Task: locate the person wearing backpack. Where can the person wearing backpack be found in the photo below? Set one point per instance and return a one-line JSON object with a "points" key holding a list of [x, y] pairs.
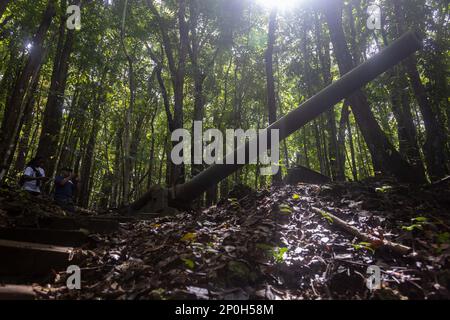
{"points": [[34, 176]]}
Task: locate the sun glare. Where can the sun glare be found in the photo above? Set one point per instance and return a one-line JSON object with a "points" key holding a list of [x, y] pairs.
{"points": [[281, 5]]}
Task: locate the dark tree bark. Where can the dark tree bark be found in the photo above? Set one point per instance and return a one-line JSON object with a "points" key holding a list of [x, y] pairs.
{"points": [[27, 120], [87, 162], [384, 156], [337, 161], [199, 74], [434, 146], [88, 157], [344, 122], [127, 139], [177, 72], [75, 125], [401, 108], [152, 149], [16, 103], [52, 121], [352, 146], [320, 153], [115, 197]]}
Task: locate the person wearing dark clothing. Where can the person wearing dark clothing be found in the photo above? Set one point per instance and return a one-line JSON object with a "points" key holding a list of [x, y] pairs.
{"points": [[65, 188]]}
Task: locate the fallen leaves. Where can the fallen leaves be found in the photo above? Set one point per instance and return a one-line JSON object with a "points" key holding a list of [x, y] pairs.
{"points": [[270, 245]]}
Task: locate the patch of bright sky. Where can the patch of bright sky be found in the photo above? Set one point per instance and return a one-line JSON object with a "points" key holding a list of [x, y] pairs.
{"points": [[281, 5]]}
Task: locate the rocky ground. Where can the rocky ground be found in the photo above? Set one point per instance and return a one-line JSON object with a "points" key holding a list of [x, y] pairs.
{"points": [[272, 245]]}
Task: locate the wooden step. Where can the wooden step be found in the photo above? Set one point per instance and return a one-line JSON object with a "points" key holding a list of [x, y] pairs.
{"points": [[32, 259], [121, 219], [66, 238], [16, 292], [93, 225], [147, 216]]}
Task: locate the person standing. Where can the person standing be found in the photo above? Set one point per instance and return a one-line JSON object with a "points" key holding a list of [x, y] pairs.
{"points": [[34, 176], [66, 185]]}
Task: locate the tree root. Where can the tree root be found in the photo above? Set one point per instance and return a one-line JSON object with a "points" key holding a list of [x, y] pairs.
{"points": [[374, 241]]}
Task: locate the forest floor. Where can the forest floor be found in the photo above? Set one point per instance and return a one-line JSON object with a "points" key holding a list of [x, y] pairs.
{"points": [[270, 244]]}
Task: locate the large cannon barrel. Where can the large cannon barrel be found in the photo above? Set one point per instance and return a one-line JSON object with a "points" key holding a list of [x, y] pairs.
{"points": [[307, 111]]}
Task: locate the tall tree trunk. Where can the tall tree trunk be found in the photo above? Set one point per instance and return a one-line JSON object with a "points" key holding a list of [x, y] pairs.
{"points": [[88, 158], [401, 108], [22, 148], [17, 100], [76, 122], [115, 197], [434, 146], [199, 75], [126, 147], [384, 156], [320, 155], [52, 121], [337, 161], [305, 147], [151, 164], [177, 73], [343, 123]]}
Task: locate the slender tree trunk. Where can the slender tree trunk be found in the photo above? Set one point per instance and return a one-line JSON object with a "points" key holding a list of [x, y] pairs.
{"points": [[74, 127], [198, 76], [115, 198], [152, 149], [88, 158], [384, 156], [337, 161], [126, 147], [305, 147], [401, 108], [22, 148], [16, 104], [52, 121], [434, 146], [352, 150], [319, 147], [177, 73]]}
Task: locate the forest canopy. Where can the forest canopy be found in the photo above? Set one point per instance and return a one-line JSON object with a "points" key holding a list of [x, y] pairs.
{"points": [[104, 97]]}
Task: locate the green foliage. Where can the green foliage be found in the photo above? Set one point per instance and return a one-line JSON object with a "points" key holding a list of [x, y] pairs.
{"points": [[189, 263], [279, 253], [231, 38], [326, 216], [418, 225], [443, 237], [285, 209], [383, 189], [364, 246]]}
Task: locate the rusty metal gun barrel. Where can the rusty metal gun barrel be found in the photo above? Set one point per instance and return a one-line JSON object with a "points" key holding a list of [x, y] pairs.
{"points": [[307, 111]]}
